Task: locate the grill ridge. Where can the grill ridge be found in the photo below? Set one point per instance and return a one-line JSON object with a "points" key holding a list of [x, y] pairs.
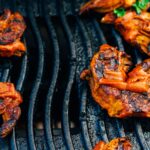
{"points": [[65, 113], [19, 88], [83, 93], [140, 136], [48, 132], [84, 127], [37, 79], [83, 87]]}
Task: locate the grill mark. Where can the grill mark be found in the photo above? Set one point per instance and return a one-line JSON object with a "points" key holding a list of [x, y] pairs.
{"points": [[99, 69], [148, 47]]}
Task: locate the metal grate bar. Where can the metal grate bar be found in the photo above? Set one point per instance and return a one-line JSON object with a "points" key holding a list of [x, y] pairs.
{"points": [[38, 77], [13, 145], [120, 128], [72, 69], [67, 29], [84, 127], [22, 72], [19, 85], [83, 96], [140, 135], [85, 37], [103, 131], [100, 32], [65, 114], [5, 75], [47, 124], [118, 39], [137, 55]]}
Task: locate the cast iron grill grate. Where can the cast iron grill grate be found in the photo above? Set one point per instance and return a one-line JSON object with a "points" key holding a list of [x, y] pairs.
{"points": [[58, 111]]}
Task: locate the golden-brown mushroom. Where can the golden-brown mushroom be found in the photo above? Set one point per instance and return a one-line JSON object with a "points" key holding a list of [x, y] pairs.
{"points": [[105, 6], [135, 28], [10, 100], [116, 90], [115, 144]]}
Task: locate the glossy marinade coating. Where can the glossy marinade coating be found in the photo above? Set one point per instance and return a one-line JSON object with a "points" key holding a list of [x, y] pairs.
{"points": [[121, 93], [10, 100], [134, 28], [105, 6], [115, 144]]}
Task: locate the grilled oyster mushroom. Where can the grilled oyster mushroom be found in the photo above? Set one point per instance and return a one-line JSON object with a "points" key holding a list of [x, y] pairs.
{"points": [[10, 100], [108, 74], [135, 28], [115, 144], [12, 26], [105, 6], [16, 48]]}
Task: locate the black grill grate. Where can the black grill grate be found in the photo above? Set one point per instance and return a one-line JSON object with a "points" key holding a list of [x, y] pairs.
{"points": [[60, 45]]}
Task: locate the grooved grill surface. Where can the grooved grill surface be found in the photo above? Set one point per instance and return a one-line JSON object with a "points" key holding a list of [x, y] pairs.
{"points": [[58, 111]]}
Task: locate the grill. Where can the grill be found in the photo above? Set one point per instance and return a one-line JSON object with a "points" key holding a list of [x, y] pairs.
{"points": [[58, 111]]}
